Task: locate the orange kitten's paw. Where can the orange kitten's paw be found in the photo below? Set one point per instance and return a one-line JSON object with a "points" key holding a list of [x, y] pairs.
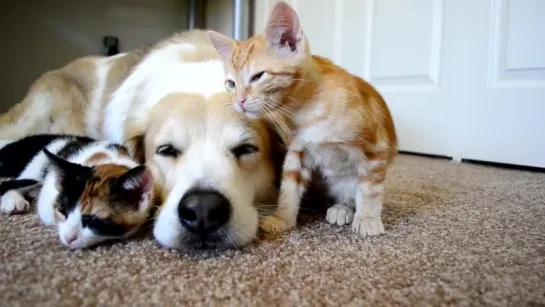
{"points": [[274, 224], [367, 226], [340, 214], [12, 203]]}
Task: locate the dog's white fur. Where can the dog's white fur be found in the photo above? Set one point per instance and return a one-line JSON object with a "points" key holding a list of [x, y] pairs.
{"points": [[159, 74]]}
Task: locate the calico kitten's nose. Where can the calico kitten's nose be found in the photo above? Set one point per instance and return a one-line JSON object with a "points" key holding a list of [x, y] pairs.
{"points": [[204, 211], [71, 237]]}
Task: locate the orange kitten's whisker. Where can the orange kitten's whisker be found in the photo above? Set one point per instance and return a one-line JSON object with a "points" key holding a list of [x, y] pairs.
{"points": [[279, 107], [304, 80], [277, 123], [293, 99], [286, 112]]}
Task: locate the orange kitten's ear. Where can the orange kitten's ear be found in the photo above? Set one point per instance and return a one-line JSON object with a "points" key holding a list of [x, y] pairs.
{"points": [[283, 30], [223, 44]]}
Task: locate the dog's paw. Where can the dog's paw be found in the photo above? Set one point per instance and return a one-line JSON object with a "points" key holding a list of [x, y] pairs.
{"points": [[367, 226], [275, 225], [340, 214], [13, 203]]}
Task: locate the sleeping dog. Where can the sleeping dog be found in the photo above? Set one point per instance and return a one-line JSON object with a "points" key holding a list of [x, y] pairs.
{"points": [[168, 104]]}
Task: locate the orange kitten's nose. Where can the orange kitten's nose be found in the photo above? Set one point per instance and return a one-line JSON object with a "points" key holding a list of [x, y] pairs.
{"points": [[242, 101]]}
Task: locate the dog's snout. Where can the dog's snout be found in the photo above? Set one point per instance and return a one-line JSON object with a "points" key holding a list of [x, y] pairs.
{"points": [[203, 211]]}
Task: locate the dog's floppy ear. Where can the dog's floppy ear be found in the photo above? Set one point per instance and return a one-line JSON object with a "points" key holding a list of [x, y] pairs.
{"points": [[136, 148], [134, 140], [278, 150]]}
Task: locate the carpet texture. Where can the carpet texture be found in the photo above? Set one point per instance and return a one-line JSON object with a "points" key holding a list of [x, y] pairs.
{"points": [[457, 234]]}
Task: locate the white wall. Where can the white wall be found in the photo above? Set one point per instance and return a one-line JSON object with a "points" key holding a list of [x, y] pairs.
{"points": [[42, 35]]}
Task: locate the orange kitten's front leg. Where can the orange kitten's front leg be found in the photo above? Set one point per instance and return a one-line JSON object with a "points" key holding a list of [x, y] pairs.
{"points": [[369, 198], [295, 178]]}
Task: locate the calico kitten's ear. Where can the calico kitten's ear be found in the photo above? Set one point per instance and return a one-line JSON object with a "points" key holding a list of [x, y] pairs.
{"points": [[136, 185], [64, 168], [223, 44], [283, 30]]}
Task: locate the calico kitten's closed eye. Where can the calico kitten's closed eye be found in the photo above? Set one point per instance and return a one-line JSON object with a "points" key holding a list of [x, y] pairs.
{"points": [[103, 227]]}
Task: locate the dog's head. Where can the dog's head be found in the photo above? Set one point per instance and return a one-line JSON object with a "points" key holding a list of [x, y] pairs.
{"points": [[211, 166]]}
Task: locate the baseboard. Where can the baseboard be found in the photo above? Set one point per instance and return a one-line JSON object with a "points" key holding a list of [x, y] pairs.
{"points": [[479, 162]]}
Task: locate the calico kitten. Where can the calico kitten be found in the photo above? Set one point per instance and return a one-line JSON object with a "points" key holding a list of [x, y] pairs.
{"points": [[91, 191], [338, 123]]}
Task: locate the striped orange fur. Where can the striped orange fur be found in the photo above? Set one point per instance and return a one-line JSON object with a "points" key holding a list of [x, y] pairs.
{"points": [[332, 120]]}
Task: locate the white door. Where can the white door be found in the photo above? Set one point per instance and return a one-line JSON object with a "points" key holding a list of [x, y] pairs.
{"points": [[463, 78], [499, 49]]}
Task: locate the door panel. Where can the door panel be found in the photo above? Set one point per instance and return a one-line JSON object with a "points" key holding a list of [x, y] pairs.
{"points": [[404, 62]]}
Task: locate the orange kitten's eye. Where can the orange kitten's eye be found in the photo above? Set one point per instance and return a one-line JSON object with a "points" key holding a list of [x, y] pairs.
{"points": [[257, 76], [230, 85]]}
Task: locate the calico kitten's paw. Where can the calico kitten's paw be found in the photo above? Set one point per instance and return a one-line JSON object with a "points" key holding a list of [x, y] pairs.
{"points": [[12, 203], [340, 214], [367, 226], [274, 224]]}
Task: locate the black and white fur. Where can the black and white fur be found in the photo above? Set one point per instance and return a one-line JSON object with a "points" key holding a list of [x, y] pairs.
{"points": [[29, 173], [23, 166]]}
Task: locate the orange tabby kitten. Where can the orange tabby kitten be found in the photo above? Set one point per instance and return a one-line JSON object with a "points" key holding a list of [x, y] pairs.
{"points": [[339, 123]]}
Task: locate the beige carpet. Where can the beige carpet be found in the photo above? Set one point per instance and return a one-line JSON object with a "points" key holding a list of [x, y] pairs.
{"points": [[457, 235]]}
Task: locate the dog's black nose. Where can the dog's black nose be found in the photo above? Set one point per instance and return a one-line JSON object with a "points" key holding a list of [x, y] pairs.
{"points": [[204, 211]]}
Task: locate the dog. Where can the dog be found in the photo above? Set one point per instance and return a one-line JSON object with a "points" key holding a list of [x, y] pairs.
{"points": [[214, 169], [121, 98]]}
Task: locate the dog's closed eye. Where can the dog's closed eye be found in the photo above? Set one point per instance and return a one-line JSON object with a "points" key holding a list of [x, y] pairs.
{"points": [[168, 150], [244, 149]]}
